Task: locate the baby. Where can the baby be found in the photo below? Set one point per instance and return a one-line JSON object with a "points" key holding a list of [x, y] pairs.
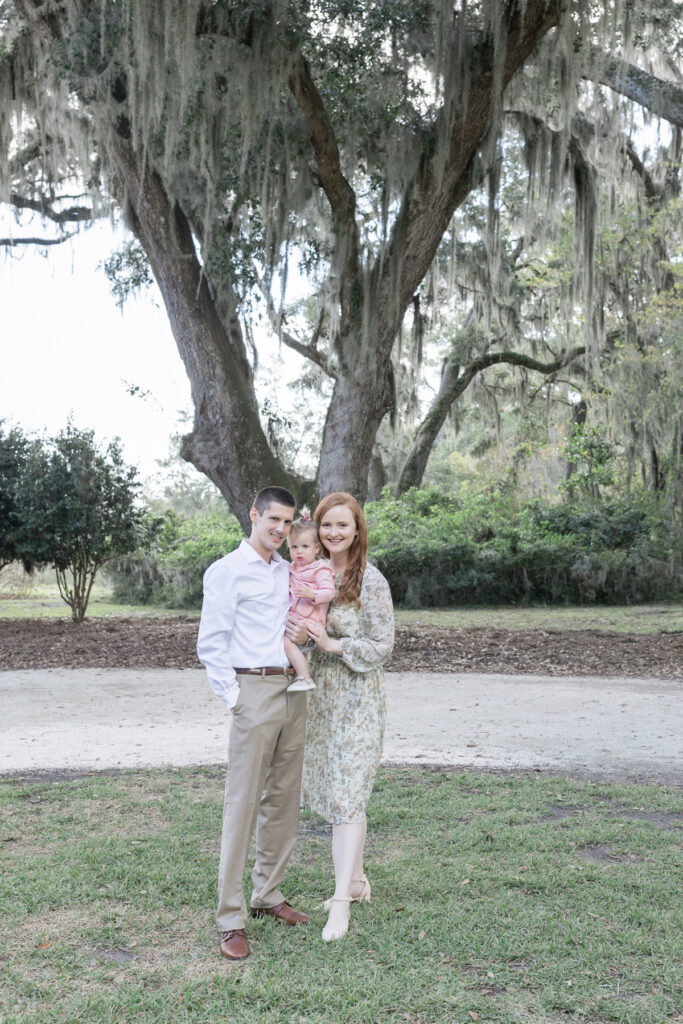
{"points": [[311, 588]]}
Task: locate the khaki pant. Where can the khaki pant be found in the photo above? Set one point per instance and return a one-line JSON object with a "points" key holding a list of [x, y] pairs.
{"points": [[262, 789]]}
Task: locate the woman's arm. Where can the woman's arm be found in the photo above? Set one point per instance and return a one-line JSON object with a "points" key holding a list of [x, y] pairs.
{"points": [[375, 642]]}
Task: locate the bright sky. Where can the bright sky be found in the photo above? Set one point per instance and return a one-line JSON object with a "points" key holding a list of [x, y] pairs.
{"points": [[66, 349]]}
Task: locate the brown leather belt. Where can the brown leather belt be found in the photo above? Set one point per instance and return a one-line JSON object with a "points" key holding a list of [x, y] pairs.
{"points": [[269, 670]]}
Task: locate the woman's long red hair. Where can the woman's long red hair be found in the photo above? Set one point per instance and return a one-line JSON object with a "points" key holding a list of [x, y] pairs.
{"points": [[349, 590]]}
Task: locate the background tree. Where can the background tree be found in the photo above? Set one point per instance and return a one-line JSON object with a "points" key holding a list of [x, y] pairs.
{"points": [[14, 448], [345, 133], [76, 504]]}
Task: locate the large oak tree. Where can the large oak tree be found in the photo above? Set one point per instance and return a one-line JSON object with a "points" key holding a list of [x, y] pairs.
{"points": [[233, 135]]}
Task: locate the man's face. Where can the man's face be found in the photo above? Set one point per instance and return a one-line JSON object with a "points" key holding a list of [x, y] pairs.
{"points": [[269, 529]]}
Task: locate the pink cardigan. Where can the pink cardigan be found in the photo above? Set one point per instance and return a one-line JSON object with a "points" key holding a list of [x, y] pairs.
{"points": [[319, 577]]}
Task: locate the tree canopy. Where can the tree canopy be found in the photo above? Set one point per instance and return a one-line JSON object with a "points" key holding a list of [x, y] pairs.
{"points": [[348, 138]]}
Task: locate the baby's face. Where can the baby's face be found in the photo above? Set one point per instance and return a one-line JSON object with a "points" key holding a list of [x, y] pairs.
{"points": [[303, 547]]}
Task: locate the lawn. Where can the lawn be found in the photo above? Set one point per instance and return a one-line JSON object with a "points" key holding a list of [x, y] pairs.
{"points": [[514, 899], [39, 598]]}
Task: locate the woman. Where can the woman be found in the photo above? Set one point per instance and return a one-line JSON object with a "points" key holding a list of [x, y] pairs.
{"points": [[347, 711]]}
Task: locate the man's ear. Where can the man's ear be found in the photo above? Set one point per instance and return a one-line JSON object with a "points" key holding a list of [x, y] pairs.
{"points": [[253, 514]]}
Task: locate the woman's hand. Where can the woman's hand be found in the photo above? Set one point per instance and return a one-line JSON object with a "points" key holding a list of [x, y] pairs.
{"points": [[295, 631], [303, 591], [318, 634]]}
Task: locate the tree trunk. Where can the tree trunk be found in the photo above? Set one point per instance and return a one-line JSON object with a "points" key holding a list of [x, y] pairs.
{"points": [[658, 478], [227, 443], [579, 417], [377, 477], [362, 396], [358, 405]]}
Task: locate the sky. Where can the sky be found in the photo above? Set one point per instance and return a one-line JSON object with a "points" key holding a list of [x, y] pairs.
{"points": [[67, 350]]}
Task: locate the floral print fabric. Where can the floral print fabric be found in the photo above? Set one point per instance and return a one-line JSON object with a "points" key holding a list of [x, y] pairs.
{"points": [[347, 710]]}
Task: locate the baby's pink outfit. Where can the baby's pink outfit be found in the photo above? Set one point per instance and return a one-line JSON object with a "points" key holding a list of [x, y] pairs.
{"points": [[319, 577]]}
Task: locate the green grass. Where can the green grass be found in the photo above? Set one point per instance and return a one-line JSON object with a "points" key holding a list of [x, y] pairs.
{"points": [[652, 618], [40, 599], [504, 899]]}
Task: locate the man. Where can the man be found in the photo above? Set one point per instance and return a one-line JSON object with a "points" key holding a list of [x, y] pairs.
{"points": [[241, 643]]}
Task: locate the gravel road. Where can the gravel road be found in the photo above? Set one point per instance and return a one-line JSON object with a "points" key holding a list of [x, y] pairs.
{"points": [[125, 718]]}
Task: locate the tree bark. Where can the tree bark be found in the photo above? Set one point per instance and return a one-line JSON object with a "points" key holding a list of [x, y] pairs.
{"points": [[359, 403]]}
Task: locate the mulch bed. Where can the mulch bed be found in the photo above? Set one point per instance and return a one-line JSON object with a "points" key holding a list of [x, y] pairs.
{"points": [[167, 642]]}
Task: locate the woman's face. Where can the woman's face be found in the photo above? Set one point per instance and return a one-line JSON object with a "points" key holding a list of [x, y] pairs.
{"points": [[337, 529]]}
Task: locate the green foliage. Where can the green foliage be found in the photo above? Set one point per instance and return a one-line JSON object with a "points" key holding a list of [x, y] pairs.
{"points": [[168, 570], [14, 447], [128, 271], [77, 508], [437, 551], [592, 455]]}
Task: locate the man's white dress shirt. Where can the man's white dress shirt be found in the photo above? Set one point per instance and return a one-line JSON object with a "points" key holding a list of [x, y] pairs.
{"points": [[246, 601]]}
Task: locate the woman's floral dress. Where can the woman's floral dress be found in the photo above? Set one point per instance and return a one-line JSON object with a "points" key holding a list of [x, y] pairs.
{"points": [[347, 710]]}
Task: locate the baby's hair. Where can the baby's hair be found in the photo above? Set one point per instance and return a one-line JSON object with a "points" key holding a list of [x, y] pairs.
{"points": [[305, 523]]}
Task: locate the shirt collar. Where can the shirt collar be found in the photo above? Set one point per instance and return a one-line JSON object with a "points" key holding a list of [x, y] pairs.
{"points": [[251, 555]]}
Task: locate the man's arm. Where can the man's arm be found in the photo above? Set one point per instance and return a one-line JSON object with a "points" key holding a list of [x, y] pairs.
{"points": [[215, 631]]}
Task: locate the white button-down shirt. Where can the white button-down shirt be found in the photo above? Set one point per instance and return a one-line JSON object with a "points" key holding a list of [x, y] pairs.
{"points": [[246, 601]]}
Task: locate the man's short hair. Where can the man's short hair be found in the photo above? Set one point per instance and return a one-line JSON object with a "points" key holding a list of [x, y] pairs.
{"points": [[268, 496]]}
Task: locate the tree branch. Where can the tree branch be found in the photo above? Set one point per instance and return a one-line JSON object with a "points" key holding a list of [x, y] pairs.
{"points": [[651, 189], [663, 98], [337, 189], [308, 351], [72, 215], [439, 188], [341, 197], [453, 384], [10, 243]]}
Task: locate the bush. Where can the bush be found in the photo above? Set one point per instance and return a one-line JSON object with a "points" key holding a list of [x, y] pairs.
{"points": [[440, 551], [437, 550], [169, 570]]}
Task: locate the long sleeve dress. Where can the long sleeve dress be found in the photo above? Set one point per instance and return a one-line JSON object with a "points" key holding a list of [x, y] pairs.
{"points": [[347, 710]]}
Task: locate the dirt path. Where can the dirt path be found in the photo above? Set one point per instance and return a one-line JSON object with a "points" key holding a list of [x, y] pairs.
{"points": [[109, 718]]}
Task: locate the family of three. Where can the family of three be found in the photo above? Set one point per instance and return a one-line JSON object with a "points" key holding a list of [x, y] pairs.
{"points": [[258, 610]]}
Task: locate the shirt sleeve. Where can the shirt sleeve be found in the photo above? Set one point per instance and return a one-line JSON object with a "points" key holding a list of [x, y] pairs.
{"points": [[324, 583], [375, 641], [215, 632]]}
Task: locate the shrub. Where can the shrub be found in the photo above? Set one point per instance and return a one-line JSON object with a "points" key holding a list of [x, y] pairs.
{"points": [[436, 550], [170, 569]]}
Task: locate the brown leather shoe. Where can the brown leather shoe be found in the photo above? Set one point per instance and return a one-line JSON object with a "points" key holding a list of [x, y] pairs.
{"points": [[282, 912], [234, 945]]}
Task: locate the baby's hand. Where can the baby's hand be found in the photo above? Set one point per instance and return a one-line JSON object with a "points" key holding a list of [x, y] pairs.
{"points": [[303, 591]]}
